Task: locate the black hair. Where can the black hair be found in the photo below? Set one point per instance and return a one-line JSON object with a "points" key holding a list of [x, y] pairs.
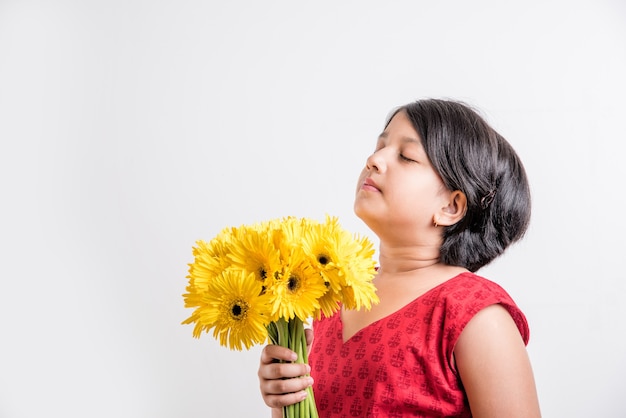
{"points": [[472, 157]]}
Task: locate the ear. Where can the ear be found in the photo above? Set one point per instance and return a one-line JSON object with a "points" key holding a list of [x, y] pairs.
{"points": [[453, 211]]}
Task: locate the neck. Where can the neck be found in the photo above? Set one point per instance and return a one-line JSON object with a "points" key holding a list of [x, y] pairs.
{"points": [[404, 259]]}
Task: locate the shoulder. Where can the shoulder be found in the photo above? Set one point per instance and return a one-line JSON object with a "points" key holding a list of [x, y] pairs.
{"points": [[472, 293]]}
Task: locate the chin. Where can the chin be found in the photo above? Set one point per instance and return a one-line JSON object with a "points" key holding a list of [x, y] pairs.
{"points": [[356, 209], [364, 215]]}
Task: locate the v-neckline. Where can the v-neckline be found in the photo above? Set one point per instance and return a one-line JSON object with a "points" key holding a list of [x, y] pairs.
{"points": [[392, 314]]}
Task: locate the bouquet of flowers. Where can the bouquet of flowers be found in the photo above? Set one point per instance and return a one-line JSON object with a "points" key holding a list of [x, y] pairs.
{"points": [[261, 282]]}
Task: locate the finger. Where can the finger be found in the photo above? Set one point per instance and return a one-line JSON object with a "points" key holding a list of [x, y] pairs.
{"points": [[273, 371], [278, 401], [271, 353], [280, 387]]}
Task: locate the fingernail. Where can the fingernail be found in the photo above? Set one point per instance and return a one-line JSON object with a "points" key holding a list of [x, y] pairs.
{"points": [[308, 368], [303, 395]]}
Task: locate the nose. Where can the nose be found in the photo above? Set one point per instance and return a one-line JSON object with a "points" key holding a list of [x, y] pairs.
{"points": [[376, 162]]}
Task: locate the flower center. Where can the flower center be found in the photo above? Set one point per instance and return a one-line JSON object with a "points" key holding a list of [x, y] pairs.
{"points": [[238, 310], [293, 284], [323, 259]]}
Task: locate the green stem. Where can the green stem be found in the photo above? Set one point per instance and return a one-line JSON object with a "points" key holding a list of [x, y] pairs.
{"points": [[291, 334]]}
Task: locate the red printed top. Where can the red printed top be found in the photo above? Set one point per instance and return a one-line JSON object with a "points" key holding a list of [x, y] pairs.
{"points": [[401, 365]]}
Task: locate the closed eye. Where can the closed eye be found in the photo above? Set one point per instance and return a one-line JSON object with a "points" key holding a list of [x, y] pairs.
{"points": [[404, 158]]}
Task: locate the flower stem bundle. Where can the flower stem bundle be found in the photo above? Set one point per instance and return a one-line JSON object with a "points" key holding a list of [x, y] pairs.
{"points": [[291, 334], [264, 281]]}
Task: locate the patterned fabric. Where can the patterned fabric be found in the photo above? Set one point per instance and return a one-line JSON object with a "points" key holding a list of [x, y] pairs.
{"points": [[401, 365]]}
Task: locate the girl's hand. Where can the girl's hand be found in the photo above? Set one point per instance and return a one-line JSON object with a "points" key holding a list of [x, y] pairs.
{"points": [[283, 383]]}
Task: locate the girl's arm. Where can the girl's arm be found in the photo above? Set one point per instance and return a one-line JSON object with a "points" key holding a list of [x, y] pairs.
{"points": [[494, 367]]}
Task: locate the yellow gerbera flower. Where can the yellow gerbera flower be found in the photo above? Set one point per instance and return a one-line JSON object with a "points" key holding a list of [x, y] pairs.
{"points": [[320, 242], [329, 303], [209, 261], [357, 274], [254, 251], [296, 288], [345, 260], [234, 309], [289, 233]]}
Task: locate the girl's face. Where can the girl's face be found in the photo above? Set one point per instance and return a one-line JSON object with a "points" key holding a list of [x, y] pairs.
{"points": [[398, 191]]}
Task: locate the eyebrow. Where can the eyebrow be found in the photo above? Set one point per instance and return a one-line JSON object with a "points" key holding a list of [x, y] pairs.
{"points": [[404, 139]]}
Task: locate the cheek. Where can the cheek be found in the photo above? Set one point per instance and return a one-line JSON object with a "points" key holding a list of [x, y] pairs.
{"points": [[416, 195]]}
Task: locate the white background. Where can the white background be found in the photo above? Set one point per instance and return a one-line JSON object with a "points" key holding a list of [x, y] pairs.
{"points": [[130, 129]]}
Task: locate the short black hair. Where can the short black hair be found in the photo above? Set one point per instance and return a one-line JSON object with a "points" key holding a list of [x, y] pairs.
{"points": [[472, 157]]}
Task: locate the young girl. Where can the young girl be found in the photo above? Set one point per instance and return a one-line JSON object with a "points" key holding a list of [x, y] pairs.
{"points": [[445, 194]]}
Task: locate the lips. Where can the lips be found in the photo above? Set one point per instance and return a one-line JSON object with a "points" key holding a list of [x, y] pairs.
{"points": [[370, 184]]}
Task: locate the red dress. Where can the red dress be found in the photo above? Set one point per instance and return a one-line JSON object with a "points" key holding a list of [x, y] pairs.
{"points": [[401, 365]]}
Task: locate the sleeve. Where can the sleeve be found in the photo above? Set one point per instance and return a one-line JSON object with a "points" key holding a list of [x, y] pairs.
{"points": [[475, 294]]}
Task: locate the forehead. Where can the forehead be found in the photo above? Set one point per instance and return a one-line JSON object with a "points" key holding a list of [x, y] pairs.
{"points": [[401, 128]]}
